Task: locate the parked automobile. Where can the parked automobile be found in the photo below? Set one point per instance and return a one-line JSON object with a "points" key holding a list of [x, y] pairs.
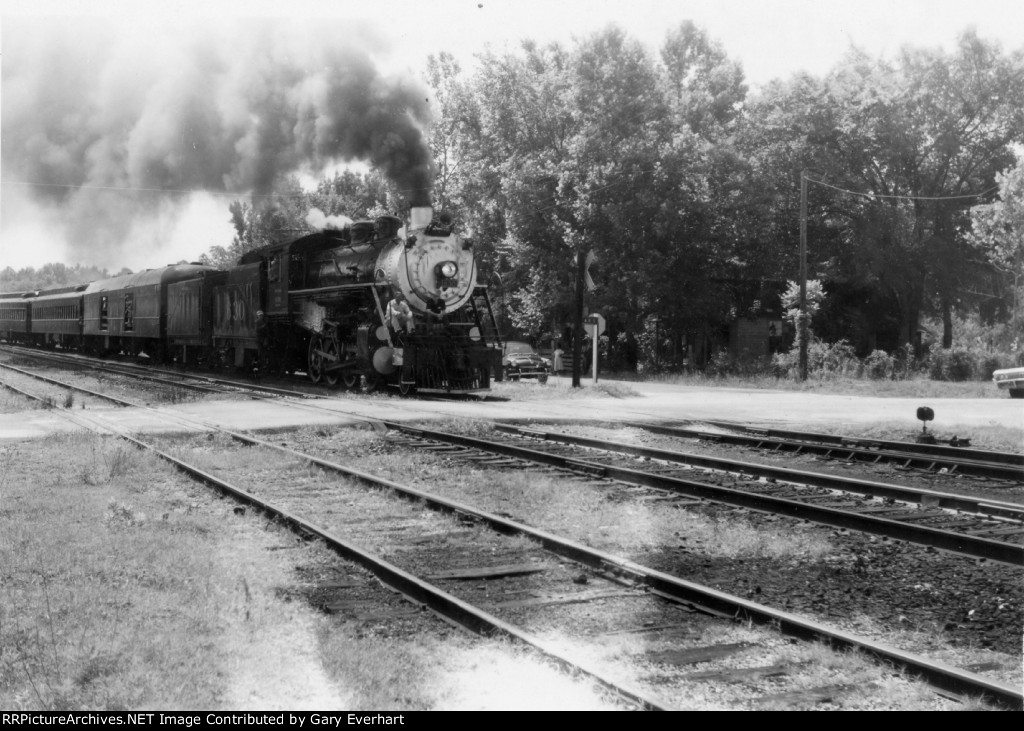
{"points": [[1011, 379], [521, 360]]}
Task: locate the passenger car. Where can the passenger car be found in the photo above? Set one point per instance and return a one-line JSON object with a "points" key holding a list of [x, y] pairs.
{"points": [[1011, 379], [520, 360]]}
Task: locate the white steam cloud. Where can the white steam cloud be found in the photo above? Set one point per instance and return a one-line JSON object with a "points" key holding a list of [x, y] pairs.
{"points": [[318, 220]]}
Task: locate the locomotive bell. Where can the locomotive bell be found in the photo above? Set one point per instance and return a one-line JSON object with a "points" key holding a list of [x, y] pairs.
{"points": [[925, 414]]}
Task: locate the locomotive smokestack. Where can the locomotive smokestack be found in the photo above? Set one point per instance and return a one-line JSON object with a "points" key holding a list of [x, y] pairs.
{"points": [[421, 217]]}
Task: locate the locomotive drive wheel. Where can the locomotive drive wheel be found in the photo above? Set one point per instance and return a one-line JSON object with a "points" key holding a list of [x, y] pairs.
{"points": [[350, 380], [331, 348], [405, 388], [315, 361]]}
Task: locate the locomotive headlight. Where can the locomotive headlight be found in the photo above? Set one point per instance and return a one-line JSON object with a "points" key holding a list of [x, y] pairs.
{"points": [[449, 269]]}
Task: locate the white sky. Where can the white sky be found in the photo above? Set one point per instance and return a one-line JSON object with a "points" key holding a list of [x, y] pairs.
{"points": [[771, 38]]}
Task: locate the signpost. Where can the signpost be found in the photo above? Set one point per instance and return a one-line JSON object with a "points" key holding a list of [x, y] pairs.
{"points": [[595, 325]]}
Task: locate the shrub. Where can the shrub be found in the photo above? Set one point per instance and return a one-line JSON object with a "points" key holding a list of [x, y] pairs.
{"points": [[824, 360], [723, 363], [990, 362], [879, 365], [831, 359], [951, 365], [904, 362]]}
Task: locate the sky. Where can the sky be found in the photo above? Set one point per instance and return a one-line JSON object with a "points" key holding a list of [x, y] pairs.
{"points": [[97, 94]]}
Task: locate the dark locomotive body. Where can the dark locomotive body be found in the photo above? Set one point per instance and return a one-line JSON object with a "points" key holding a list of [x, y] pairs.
{"points": [[325, 302], [319, 305]]}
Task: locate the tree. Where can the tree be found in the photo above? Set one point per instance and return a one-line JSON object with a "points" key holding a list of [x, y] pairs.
{"points": [[456, 117], [921, 140], [707, 90], [583, 150], [269, 219], [998, 232]]}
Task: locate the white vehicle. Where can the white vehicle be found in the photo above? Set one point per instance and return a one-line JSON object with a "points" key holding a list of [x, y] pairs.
{"points": [[1011, 379]]}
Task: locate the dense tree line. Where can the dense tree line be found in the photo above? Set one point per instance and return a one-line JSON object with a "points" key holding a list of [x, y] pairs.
{"points": [[686, 185], [50, 276]]}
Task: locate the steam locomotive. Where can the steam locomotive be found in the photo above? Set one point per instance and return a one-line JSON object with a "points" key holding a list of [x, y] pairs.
{"points": [[372, 303]]}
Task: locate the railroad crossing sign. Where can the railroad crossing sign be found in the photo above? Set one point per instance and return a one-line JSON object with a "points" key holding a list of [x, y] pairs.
{"points": [[593, 321]]}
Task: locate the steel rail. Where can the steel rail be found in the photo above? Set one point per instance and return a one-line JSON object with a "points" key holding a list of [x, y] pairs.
{"points": [[850, 451], [80, 389], [969, 545], [947, 500], [17, 390], [937, 674], [941, 450], [413, 588], [137, 371], [127, 370]]}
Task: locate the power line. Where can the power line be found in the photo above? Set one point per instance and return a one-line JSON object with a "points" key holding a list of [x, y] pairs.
{"points": [[903, 197]]}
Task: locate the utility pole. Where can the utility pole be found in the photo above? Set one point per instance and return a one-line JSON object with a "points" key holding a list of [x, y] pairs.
{"points": [[577, 330], [802, 318]]}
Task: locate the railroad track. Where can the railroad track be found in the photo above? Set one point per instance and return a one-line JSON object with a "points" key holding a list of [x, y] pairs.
{"points": [[608, 578], [164, 377], [961, 449], [991, 530], [1003, 466], [980, 528]]}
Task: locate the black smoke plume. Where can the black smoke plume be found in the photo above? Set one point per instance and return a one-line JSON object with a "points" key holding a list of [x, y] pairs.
{"points": [[109, 128]]}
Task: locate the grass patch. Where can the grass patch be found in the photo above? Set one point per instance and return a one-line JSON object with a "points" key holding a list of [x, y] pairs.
{"points": [[95, 596], [458, 674], [122, 584], [15, 403]]}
